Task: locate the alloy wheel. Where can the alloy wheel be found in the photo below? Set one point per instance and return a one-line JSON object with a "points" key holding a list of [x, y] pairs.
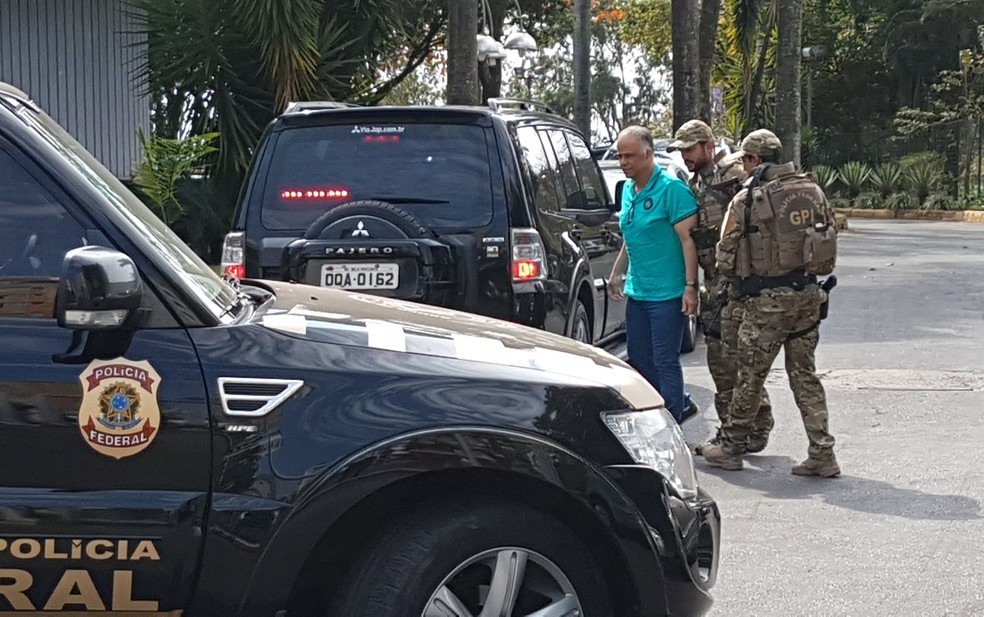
{"points": [[505, 582]]}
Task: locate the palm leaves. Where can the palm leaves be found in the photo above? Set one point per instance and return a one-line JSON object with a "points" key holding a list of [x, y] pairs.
{"points": [[923, 178], [165, 163], [286, 34], [887, 179], [825, 176], [746, 53], [854, 175]]}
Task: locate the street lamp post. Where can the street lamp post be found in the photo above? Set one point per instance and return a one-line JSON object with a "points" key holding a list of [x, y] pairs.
{"points": [[491, 51], [524, 43], [808, 54]]}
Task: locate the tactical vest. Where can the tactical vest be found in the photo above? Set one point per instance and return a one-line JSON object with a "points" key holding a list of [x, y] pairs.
{"points": [[713, 195], [786, 227]]}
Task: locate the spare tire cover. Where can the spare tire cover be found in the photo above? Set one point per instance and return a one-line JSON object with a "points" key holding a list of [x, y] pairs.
{"points": [[365, 220]]}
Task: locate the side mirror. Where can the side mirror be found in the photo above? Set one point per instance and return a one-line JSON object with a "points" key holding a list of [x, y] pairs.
{"points": [[619, 186], [99, 289]]}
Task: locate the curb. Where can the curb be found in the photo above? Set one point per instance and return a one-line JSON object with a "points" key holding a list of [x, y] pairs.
{"points": [[965, 216]]}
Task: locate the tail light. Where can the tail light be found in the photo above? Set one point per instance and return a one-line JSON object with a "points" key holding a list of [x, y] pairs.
{"points": [[233, 263], [528, 256]]}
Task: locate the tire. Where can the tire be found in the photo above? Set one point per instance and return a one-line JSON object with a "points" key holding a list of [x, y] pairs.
{"points": [[428, 559], [581, 324], [689, 336]]}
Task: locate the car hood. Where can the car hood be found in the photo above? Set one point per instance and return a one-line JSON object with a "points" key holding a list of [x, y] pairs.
{"points": [[407, 327]]}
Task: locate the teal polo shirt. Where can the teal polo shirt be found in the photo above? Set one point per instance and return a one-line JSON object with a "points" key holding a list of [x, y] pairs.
{"points": [[657, 270]]}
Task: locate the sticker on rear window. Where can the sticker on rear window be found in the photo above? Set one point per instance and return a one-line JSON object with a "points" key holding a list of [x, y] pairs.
{"points": [[377, 129]]}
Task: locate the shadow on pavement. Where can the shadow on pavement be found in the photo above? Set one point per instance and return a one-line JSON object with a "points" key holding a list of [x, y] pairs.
{"points": [[770, 476]]}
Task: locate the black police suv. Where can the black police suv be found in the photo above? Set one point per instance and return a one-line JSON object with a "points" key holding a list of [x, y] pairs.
{"points": [[174, 445], [499, 211]]}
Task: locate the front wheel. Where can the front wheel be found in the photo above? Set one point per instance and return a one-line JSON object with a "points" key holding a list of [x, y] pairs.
{"points": [[471, 561], [580, 324]]}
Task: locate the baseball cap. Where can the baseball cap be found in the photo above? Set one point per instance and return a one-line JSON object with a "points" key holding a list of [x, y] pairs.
{"points": [[761, 142], [690, 134]]}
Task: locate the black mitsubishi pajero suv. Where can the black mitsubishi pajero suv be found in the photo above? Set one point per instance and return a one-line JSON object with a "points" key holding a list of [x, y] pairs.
{"points": [[174, 445], [500, 211]]}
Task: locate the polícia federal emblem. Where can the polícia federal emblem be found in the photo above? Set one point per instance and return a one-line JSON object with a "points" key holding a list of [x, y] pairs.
{"points": [[119, 416]]}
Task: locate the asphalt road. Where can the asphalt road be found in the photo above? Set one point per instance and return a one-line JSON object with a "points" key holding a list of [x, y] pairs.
{"points": [[901, 532]]}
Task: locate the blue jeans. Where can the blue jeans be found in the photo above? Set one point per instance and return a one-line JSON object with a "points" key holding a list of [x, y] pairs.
{"points": [[654, 335]]}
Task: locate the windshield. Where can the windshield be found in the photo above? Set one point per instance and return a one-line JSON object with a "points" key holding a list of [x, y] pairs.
{"points": [[438, 172], [211, 290]]}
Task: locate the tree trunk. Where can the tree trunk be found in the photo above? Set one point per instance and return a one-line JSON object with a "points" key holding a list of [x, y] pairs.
{"points": [[686, 85], [462, 52], [582, 66], [755, 88], [788, 106], [710, 14]]}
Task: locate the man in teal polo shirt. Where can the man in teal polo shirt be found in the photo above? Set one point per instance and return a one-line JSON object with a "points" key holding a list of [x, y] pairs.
{"points": [[659, 263]]}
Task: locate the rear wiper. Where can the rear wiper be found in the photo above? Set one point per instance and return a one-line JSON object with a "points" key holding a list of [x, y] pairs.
{"points": [[399, 199]]}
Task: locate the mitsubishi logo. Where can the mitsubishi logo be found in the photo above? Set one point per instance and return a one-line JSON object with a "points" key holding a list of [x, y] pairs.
{"points": [[360, 231]]}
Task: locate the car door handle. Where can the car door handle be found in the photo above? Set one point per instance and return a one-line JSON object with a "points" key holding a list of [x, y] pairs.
{"points": [[610, 237], [570, 242]]}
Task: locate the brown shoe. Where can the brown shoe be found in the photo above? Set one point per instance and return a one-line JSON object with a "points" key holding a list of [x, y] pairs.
{"points": [[757, 443], [713, 441], [717, 456], [826, 468]]}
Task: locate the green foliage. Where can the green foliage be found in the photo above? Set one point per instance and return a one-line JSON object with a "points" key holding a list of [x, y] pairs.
{"points": [[646, 23], [869, 200], [745, 62], [882, 56], [932, 159], [825, 176], [940, 201], [164, 164], [900, 201], [810, 151], [922, 178], [854, 176], [887, 179], [617, 52]]}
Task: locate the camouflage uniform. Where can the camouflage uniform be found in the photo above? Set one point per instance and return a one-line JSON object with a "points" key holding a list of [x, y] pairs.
{"points": [[720, 311], [782, 317]]}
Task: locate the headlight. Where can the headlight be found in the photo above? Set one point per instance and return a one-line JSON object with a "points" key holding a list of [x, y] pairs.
{"points": [[653, 438]]}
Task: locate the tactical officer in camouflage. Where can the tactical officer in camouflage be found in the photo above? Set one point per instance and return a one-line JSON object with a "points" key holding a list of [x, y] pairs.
{"points": [[778, 236], [715, 182]]}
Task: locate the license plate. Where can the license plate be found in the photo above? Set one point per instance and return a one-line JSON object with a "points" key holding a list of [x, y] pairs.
{"points": [[361, 276]]}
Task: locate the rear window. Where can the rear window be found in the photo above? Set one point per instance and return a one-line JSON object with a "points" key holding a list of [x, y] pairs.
{"points": [[438, 172]]}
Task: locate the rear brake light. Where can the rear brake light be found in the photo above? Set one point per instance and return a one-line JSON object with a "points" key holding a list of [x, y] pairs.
{"points": [[524, 270], [528, 256], [319, 193], [233, 263], [380, 139]]}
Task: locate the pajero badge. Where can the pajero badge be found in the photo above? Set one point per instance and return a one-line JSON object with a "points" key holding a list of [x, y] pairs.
{"points": [[119, 416]]}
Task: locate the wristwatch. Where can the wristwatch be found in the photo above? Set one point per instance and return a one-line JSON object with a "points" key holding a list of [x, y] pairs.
{"points": [[693, 284]]}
